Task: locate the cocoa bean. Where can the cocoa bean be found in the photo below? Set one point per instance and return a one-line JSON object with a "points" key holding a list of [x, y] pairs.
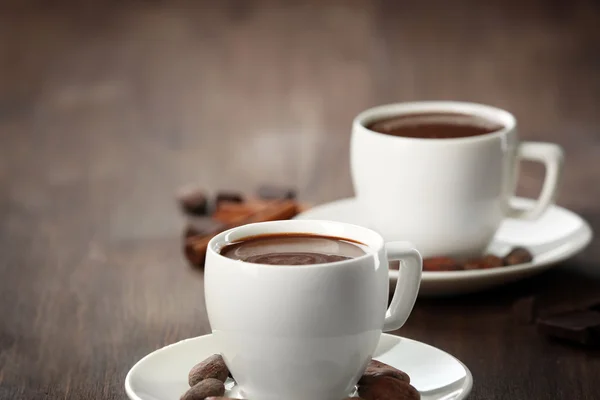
{"points": [[213, 367], [441, 264], [193, 200], [388, 388], [207, 388], [376, 369], [221, 398], [518, 255], [485, 262]]}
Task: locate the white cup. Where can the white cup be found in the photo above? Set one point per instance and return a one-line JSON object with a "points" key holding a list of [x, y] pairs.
{"points": [[308, 331], [447, 196]]}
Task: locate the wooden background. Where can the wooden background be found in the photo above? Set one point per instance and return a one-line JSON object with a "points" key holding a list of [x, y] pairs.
{"points": [[106, 108]]}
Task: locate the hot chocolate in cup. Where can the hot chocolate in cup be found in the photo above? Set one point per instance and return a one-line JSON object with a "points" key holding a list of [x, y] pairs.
{"points": [[299, 326], [441, 174]]}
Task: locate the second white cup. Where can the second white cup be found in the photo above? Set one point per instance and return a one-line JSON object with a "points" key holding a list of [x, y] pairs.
{"points": [[447, 196]]}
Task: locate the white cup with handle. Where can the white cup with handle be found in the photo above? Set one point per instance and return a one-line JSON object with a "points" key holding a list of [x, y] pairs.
{"points": [[447, 196], [306, 331]]}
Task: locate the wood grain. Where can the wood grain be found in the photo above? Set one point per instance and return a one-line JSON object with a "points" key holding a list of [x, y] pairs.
{"points": [[106, 108]]}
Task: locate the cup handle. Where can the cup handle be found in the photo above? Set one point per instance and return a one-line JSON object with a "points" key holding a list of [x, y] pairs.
{"points": [[407, 285], [551, 155]]}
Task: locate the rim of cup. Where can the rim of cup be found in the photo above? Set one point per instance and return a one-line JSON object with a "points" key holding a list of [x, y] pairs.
{"points": [[373, 243], [504, 118]]}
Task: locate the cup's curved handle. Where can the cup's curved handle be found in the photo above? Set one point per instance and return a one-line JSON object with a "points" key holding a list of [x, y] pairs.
{"points": [[407, 285], [551, 155]]}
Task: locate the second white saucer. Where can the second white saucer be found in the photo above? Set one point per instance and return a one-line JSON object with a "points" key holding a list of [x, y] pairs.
{"points": [[556, 236]]}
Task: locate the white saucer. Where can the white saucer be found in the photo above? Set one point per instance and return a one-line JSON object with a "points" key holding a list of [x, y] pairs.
{"points": [[556, 236], [162, 374]]}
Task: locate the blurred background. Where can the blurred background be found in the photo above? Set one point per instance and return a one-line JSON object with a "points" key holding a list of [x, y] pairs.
{"points": [[117, 103], [107, 107]]}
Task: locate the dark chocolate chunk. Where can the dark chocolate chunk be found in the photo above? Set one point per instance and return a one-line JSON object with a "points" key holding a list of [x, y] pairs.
{"points": [[581, 327], [270, 192], [203, 226], [595, 306], [229, 212], [194, 248], [230, 197], [525, 310], [518, 255], [193, 200], [195, 245]]}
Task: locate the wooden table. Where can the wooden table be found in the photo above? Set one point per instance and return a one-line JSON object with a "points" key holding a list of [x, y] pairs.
{"points": [[106, 108]]}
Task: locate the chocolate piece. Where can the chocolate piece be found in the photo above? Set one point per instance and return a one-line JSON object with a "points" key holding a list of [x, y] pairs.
{"points": [[441, 264], [231, 197], [195, 246], [388, 388], [193, 200], [525, 310], [376, 369], [595, 306], [581, 327], [213, 367], [518, 255], [228, 212], [206, 388], [276, 211], [270, 192]]}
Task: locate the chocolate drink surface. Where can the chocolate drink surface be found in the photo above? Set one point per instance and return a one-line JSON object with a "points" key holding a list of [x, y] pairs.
{"points": [[435, 125], [293, 249]]}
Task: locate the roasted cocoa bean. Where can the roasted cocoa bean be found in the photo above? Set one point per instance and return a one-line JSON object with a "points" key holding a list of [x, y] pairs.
{"points": [[492, 261], [441, 264], [213, 367], [488, 261], [221, 398], [376, 369], [388, 388], [193, 200], [518, 255], [207, 388]]}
